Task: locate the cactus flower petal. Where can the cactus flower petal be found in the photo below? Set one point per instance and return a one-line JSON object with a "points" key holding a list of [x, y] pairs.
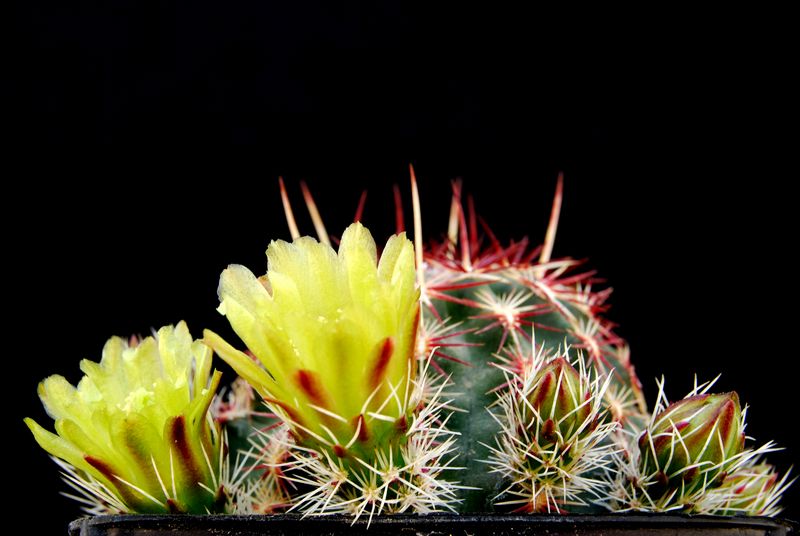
{"points": [[333, 332], [135, 434]]}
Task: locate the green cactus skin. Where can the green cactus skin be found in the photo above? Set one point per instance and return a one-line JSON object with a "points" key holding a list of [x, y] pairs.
{"points": [[480, 305]]}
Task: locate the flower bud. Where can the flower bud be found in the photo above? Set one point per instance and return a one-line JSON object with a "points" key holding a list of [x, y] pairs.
{"points": [[692, 442], [561, 401], [754, 489]]}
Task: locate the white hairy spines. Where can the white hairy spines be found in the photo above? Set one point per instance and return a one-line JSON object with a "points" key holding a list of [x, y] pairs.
{"points": [[554, 446], [408, 477]]}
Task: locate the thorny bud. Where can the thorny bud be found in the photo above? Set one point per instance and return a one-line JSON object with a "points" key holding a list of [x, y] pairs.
{"points": [[692, 442], [561, 401]]}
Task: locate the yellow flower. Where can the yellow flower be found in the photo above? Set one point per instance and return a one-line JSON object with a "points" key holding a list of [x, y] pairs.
{"points": [[335, 335], [136, 432]]}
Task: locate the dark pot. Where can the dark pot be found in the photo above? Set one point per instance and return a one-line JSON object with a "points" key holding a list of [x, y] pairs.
{"points": [[437, 524]]}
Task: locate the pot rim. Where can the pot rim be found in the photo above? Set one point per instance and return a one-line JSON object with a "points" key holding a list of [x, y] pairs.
{"points": [[437, 519]]}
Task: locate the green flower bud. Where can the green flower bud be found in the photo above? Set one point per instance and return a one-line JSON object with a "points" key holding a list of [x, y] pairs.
{"points": [[562, 402], [691, 444], [754, 489]]}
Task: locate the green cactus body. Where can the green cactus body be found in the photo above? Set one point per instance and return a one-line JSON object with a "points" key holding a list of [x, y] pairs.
{"points": [[480, 310]]}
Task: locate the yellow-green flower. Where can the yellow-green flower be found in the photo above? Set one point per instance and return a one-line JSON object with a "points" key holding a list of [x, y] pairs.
{"points": [[335, 335], [136, 433]]}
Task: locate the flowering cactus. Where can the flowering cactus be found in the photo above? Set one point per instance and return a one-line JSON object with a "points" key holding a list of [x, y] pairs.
{"points": [[480, 309], [381, 373], [136, 435], [335, 334]]}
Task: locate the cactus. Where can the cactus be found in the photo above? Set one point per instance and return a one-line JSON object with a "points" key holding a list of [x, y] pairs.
{"points": [[461, 375], [136, 434], [482, 304], [494, 324]]}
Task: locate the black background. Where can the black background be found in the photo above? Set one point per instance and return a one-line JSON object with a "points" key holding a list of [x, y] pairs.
{"points": [[151, 136]]}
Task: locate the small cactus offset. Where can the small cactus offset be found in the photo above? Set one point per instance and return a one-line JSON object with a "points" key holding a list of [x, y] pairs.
{"points": [[458, 375]]}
